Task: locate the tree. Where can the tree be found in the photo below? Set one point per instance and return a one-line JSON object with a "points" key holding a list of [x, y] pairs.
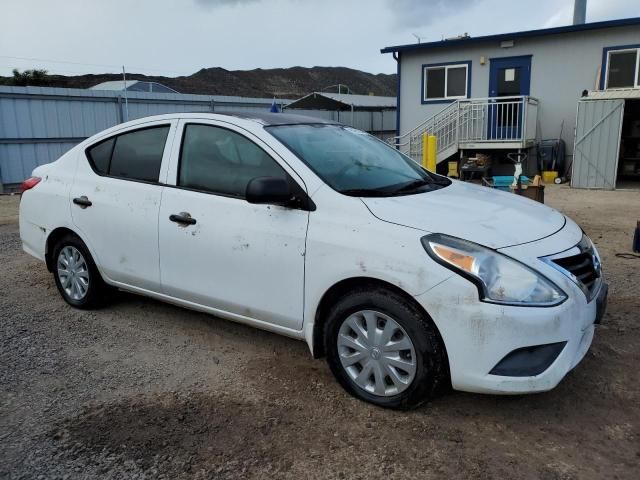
{"points": [[34, 77]]}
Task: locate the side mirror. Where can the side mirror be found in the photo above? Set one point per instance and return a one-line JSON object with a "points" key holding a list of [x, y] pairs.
{"points": [[271, 190]]}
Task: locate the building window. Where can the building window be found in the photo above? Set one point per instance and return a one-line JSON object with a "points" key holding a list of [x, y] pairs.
{"points": [[623, 68], [444, 82]]}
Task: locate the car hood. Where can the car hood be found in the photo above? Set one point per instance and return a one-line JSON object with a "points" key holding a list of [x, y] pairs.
{"points": [[479, 214]]}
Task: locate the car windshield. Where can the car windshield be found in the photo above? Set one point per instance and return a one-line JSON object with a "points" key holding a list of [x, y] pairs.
{"points": [[354, 162]]}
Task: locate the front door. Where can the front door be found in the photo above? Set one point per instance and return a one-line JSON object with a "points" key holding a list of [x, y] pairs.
{"points": [[509, 78], [236, 257]]}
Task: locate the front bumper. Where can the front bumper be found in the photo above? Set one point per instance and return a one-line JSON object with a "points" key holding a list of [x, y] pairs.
{"points": [[601, 302], [478, 335]]}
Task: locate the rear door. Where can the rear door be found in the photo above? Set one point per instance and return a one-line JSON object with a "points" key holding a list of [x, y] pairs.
{"points": [[237, 257], [115, 200]]}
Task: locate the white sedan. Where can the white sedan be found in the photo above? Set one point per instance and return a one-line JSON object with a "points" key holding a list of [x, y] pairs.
{"points": [[406, 281]]}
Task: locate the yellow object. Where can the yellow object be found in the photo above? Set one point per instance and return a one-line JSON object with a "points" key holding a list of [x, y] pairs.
{"points": [[549, 176], [425, 149], [453, 169], [432, 153], [429, 151]]}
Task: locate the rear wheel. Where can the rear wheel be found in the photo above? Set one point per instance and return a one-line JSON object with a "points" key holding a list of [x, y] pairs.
{"points": [[384, 350], [75, 273]]}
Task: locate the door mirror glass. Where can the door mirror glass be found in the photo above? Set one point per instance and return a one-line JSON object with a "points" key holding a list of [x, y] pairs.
{"points": [[271, 190]]}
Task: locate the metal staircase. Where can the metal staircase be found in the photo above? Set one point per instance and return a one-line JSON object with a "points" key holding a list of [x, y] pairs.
{"points": [[475, 123]]}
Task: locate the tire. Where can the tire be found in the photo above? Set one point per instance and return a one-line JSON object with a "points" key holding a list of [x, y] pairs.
{"points": [[408, 388], [90, 290]]}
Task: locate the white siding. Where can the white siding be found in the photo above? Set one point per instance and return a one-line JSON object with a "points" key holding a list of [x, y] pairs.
{"points": [[562, 66]]}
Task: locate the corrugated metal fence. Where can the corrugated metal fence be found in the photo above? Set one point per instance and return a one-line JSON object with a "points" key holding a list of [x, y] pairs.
{"points": [[39, 124]]}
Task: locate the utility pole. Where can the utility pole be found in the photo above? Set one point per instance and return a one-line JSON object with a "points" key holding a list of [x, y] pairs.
{"points": [[126, 102]]}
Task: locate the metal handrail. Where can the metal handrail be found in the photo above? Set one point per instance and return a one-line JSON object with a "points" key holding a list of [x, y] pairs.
{"points": [[418, 127], [531, 100], [489, 119]]}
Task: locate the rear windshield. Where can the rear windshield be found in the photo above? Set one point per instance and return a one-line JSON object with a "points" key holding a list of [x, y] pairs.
{"points": [[356, 163]]}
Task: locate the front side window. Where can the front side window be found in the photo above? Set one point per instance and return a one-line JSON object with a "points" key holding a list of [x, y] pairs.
{"points": [[445, 81], [133, 155], [355, 163], [217, 160], [623, 68]]}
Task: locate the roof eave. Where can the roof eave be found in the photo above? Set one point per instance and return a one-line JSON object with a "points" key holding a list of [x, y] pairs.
{"points": [[513, 35]]}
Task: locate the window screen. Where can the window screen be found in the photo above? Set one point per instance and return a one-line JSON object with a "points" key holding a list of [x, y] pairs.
{"points": [[136, 155], [457, 82], [435, 82], [622, 69], [448, 81], [217, 160]]}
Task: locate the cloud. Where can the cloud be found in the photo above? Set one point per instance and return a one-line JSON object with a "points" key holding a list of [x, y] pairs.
{"points": [[597, 10], [563, 16], [415, 13], [224, 3]]}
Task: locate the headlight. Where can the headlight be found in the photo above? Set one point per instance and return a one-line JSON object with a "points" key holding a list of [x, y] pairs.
{"points": [[499, 278]]}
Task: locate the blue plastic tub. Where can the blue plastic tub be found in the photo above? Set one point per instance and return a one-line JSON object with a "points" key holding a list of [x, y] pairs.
{"points": [[503, 182]]}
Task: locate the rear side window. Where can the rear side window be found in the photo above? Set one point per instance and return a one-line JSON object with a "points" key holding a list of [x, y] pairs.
{"points": [[134, 155], [217, 160], [100, 155]]}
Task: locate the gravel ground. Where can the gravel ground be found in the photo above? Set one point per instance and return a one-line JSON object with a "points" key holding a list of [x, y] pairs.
{"points": [[142, 389]]}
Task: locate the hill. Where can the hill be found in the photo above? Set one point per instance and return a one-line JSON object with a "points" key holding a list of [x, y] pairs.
{"points": [[291, 82]]}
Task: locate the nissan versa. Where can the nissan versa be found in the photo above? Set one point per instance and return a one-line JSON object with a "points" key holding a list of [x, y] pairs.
{"points": [[407, 282]]}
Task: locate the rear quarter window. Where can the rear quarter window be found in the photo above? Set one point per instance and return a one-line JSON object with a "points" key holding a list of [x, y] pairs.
{"points": [[135, 155], [100, 156]]}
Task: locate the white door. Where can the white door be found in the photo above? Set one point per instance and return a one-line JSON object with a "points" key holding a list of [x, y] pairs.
{"points": [[597, 143], [115, 200], [237, 257]]}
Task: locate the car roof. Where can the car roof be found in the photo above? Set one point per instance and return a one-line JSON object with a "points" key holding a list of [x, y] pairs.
{"points": [[272, 119], [264, 119]]}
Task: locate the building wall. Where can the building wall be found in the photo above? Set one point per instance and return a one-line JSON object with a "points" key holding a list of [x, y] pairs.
{"points": [[38, 125], [562, 66]]}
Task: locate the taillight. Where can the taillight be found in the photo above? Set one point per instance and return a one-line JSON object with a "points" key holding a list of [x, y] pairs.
{"points": [[29, 183]]}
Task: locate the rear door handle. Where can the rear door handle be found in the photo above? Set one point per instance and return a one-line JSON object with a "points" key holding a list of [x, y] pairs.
{"points": [[183, 218], [82, 202]]}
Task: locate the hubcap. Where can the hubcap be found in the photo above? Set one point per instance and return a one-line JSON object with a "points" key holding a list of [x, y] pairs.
{"points": [[376, 353], [73, 273]]}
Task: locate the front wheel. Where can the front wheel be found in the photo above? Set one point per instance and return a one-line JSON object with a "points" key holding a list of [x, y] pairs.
{"points": [[383, 349], [76, 275]]}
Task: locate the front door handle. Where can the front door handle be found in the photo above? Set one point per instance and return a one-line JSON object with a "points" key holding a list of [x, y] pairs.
{"points": [[183, 218], [82, 202]]}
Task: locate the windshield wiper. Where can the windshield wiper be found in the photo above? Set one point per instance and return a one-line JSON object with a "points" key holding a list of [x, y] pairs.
{"points": [[365, 192], [408, 187]]}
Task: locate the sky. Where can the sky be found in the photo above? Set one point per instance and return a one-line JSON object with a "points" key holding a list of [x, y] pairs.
{"points": [[179, 37]]}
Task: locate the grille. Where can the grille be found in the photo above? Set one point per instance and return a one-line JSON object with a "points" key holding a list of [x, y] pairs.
{"points": [[583, 268]]}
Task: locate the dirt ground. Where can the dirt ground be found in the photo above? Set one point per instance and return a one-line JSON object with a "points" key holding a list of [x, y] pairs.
{"points": [[141, 389]]}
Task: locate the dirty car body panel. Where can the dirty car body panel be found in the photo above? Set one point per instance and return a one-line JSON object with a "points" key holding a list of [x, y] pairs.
{"points": [[173, 237]]}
